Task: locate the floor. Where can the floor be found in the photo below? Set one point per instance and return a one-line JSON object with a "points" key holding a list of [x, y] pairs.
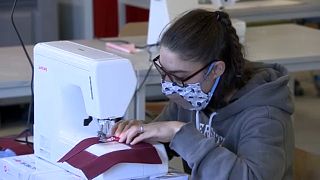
{"points": [[12, 128], [307, 115]]}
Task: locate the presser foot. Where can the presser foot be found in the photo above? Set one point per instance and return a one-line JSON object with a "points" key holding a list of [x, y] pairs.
{"points": [[102, 136]]}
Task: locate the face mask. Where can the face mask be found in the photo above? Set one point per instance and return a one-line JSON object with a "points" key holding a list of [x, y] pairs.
{"points": [[189, 97]]}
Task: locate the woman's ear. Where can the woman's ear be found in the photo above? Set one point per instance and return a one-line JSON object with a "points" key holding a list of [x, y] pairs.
{"points": [[219, 68]]}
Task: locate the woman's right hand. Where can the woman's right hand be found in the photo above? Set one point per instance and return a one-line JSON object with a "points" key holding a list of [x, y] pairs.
{"points": [[122, 127]]}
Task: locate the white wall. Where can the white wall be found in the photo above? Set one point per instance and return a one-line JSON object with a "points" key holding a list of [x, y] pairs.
{"points": [[36, 21]]}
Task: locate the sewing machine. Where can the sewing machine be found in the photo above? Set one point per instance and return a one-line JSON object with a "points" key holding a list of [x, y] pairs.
{"points": [[79, 93]]}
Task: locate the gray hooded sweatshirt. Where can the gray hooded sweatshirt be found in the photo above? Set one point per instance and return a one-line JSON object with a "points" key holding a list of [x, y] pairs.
{"points": [[250, 138]]}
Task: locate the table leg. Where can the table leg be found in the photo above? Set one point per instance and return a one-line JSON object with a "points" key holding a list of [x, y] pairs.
{"points": [[136, 109], [141, 103]]}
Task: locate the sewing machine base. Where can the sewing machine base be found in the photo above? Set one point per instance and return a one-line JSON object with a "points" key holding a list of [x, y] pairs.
{"points": [[27, 167]]}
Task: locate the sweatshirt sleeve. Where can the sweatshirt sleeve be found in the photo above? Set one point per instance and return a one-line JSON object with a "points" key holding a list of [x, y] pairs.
{"points": [[260, 154]]}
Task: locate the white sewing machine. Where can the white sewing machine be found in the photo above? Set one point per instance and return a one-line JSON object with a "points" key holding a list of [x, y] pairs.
{"points": [[74, 85]]}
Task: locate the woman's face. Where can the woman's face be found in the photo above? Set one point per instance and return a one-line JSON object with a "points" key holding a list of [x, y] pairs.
{"points": [[183, 69]]}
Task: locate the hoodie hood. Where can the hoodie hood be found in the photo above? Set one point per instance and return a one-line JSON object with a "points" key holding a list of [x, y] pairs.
{"points": [[267, 87]]}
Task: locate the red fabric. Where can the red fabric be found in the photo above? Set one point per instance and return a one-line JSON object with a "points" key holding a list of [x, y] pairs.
{"points": [[81, 146], [93, 166], [83, 159]]}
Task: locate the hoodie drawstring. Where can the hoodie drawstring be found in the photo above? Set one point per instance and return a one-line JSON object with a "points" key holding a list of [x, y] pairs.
{"points": [[210, 120], [197, 120]]}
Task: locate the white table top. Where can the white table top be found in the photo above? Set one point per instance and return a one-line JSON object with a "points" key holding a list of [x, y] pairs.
{"points": [[15, 72], [260, 10], [145, 4], [296, 47], [14, 64], [304, 9]]}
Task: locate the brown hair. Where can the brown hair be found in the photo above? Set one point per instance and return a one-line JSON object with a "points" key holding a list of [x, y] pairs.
{"points": [[202, 36]]}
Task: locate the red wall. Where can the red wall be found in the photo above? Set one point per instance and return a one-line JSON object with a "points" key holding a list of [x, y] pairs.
{"points": [[105, 13], [134, 14]]}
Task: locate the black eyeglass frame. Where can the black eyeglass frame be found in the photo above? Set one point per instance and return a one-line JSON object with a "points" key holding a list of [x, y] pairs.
{"points": [[181, 82]]}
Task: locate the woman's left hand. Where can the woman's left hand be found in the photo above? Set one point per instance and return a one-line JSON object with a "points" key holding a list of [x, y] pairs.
{"points": [[135, 131]]}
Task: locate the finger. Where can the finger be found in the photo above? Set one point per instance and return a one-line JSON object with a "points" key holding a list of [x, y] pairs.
{"points": [[143, 134], [120, 128], [141, 137], [128, 125], [149, 133], [132, 133], [123, 137]]}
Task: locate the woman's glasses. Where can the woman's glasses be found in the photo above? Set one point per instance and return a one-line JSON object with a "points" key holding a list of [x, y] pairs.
{"points": [[173, 78]]}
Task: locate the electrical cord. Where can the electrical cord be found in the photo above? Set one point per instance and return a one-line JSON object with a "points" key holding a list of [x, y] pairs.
{"points": [[30, 109], [148, 72]]}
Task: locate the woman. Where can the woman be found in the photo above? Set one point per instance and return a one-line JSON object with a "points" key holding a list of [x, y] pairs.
{"points": [[228, 118]]}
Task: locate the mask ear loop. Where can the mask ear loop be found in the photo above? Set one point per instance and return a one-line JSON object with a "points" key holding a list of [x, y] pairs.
{"points": [[215, 85], [216, 81], [210, 69]]}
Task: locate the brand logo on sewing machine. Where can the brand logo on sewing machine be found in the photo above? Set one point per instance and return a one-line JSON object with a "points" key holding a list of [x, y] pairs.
{"points": [[42, 68]]}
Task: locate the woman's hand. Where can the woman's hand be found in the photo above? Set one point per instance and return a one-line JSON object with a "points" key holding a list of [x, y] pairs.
{"points": [[134, 131]]}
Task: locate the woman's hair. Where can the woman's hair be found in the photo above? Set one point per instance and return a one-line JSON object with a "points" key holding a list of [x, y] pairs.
{"points": [[204, 36]]}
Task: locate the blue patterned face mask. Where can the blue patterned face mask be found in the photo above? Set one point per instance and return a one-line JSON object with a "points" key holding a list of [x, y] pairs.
{"points": [[189, 97]]}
